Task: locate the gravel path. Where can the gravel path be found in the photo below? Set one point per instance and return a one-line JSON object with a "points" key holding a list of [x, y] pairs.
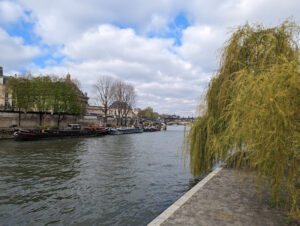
{"points": [[227, 199]]}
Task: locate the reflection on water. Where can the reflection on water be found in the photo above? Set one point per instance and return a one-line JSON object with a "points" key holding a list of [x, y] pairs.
{"points": [[111, 180]]}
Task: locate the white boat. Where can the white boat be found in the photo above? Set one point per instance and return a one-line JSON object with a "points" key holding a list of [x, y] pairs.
{"points": [[125, 130]]}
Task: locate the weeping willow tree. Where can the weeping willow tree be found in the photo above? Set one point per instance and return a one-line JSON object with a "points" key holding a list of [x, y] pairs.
{"points": [[252, 116]]}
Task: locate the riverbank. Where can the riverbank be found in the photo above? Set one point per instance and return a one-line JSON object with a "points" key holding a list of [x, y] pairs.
{"points": [[224, 198], [22, 135], [6, 134]]}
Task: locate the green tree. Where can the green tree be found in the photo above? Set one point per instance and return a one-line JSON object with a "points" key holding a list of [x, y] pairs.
{"points": [[252, 117], [22, 94], [42, 95], [64, 100], [45, 94], [22, 89], [148, 113]]}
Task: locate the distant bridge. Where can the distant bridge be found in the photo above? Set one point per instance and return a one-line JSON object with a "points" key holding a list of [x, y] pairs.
{"points": [[177, 123], [182, 121]]}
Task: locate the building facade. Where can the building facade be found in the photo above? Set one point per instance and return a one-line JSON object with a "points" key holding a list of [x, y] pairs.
{"points": [[95, 110], [82, 97], [5, 94], [116, 106]]}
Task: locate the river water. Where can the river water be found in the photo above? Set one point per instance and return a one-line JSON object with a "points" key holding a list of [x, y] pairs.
{"points": [[111, 180]]}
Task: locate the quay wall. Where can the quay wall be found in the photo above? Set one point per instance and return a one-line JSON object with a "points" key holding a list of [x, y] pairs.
{"points": [[6, 133], [9, 120], [32, 120]]}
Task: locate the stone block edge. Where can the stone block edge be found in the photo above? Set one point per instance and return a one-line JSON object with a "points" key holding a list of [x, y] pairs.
{"points": [[176, 205]]}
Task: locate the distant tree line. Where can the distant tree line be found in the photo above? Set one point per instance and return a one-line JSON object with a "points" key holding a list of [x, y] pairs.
{"points": [[45, 94], [113, 92], [148, 113]]}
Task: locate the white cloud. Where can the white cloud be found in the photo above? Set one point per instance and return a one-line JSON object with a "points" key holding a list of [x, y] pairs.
{"points": [[201, 46], [14, 53], [158, 24], [158, 75], [170, 78], [10, 12], [230, 13], [59, 21]]}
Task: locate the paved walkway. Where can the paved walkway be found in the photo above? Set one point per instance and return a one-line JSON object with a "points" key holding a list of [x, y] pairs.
{"points": [[223, 200]]}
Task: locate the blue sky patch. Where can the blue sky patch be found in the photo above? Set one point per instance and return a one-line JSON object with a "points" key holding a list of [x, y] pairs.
{"points": [[175, 29], [48, 58], [123, 26], [24, 30]]}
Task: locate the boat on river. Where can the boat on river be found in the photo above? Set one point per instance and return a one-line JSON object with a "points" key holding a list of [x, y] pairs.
{"points": [[73, 130], [152, 129], [125, 130]]}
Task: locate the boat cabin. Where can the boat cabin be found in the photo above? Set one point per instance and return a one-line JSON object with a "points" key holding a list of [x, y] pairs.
{"points": [[74, 126]]}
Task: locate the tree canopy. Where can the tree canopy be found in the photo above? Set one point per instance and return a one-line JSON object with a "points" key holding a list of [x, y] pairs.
{"points": [[252, 114], [148, 113], [44, 94]]}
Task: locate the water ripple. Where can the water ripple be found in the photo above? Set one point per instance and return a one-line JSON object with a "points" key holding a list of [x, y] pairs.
{"points": [[112, 180]]}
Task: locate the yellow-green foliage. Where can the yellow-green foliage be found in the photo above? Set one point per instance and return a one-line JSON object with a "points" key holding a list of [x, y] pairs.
{"points": [[253, 110]]}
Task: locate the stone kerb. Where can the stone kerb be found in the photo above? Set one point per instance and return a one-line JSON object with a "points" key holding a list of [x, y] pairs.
{"points": [[175, 206]]}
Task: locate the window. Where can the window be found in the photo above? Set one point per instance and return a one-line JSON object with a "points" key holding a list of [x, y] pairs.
{"points": [[7, 105]]}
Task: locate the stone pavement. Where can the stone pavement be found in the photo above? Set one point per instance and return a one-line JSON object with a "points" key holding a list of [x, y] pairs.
{"points": [[224, 199]]}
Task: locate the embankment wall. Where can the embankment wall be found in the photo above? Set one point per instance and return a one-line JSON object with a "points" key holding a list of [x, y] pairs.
{"points": [[32, 120], [9, 121], [6, 133]]}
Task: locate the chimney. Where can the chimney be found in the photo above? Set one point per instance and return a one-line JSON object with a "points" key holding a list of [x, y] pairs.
{"points": [[68, 77], [1, 71]]}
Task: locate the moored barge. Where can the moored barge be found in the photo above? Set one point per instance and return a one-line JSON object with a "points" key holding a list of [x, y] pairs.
{"points": [[73, 130], [152, 129], [126, 130]]}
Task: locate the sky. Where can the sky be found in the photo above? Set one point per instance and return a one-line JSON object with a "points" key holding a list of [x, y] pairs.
{"points": [[168, 49]]}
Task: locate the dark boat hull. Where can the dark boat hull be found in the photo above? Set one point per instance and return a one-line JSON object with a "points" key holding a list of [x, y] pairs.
{"points": [[125, 131], [151, 129], [36, 135]]}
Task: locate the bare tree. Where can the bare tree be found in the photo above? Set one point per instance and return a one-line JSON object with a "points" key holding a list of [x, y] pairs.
{"points": [[105, 93], [124, 99], [129, 98], [119, 88]]}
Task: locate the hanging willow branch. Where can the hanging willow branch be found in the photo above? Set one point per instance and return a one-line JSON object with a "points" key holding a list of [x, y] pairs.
{"points": [[253, 110]]}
